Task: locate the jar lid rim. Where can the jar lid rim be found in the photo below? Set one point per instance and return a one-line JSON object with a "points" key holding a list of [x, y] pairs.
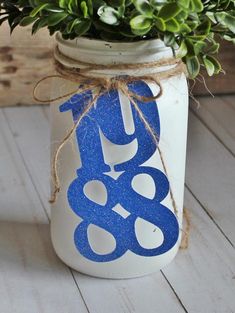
{"points": [[86, 43]]}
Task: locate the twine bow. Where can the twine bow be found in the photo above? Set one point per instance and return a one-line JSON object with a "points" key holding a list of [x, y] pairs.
{"points": [[100, 85]]}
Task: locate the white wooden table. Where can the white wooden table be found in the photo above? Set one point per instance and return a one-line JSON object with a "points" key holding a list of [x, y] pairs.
{"points": [[200, 280]]}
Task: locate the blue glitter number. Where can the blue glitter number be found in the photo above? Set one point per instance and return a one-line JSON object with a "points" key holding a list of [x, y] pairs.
{"points": [[107, 117]]}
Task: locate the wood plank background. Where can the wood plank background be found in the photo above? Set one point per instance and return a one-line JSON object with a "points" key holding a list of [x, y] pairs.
{"points": [[24, 59], [221, 83]]}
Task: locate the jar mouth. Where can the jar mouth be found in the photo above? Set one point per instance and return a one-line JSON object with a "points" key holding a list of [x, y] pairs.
{"points": [[99, 45], [100, 52]]}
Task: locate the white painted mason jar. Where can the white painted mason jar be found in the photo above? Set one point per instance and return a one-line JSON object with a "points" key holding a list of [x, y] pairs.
{"points": [[114, 216]]}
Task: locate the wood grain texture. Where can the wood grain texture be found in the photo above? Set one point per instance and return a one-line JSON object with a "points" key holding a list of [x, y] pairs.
{"points": [[24, 59], [210, 176], [32, 279], [201, 276], [221, 83], [218, 115]]}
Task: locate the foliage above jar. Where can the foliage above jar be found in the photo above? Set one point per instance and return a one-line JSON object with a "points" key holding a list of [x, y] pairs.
{"points": [[192, 25]]}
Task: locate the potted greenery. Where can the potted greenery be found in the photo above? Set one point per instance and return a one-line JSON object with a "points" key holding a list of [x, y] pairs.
{"points": [[118, 199]]}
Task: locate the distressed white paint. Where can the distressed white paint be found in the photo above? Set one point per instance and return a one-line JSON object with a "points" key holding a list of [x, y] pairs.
{"points": [[218, 114], [32, 279], [211, 176], [204, 274]]}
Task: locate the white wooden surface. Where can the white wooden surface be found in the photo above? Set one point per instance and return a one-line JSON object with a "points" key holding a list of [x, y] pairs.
{"points": [[201, 279]]}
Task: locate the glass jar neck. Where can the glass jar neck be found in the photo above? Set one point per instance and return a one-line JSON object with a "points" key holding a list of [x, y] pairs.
{"points": [[108, 53]]}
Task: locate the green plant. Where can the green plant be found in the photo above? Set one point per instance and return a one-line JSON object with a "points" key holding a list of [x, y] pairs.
{"points": [[192, 25]]}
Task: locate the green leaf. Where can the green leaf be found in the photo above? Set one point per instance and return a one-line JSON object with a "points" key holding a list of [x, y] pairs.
{"points": [[172, 25], [116, 3], [72, 6], [52, 8], [214, 48], [38, 9], [70, 26], [193, 66], [97, 4], [141, 32], [190, 47], [204, 28], [182, 51], [63, 4], [199, 46], [169, 11], [13, 21], [160, 24], [34, 3], [197, 5], [56, 18], [193, 24], [40, 23], [226, 20], [184, 28], [84, 9], [27, 21], [211, 16], [216, 64], [82, 27], [209, 66], [195, 38], [157, 3], [121, 11], [183, 3], [143, 7], [108, 15], [229, 38], [169, 39], [90, 7], [140, 22]]}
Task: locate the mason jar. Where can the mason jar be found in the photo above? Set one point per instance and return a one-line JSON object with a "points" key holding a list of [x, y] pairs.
{"points": [[119, 210]]}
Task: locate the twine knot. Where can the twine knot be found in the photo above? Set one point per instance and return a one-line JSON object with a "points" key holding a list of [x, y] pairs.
{"points": [[113, 83]]}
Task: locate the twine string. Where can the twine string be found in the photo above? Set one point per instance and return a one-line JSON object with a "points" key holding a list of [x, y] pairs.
{"points": [[55, 175], [186, 230], [85, 67]]}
